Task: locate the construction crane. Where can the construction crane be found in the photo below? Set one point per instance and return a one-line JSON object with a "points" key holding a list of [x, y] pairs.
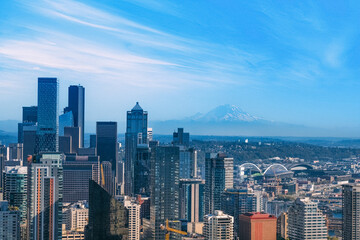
{"points": [[169, 229], [102, 176]]}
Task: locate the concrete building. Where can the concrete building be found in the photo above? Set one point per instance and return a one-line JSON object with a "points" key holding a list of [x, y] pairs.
{"points": [[44, 209], [257, 226], [306, 221], [9, 222], [76, 217], [351, 212], [219, 174], [218, 226]]}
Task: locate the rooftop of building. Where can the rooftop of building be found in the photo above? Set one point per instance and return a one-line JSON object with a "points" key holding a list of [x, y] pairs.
{"points": [[259, 215], [137, 107], [16, 170]]}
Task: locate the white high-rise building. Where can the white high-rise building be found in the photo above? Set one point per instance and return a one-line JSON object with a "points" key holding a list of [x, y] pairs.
{"points": [[133, 217], [76, 216], [306, 221], [218, 226]]}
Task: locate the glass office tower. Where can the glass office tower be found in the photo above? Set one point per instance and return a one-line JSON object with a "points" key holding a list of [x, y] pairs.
{"points": [[48, 115]]}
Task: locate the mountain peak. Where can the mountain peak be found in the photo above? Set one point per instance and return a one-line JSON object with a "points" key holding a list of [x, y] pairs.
{"points": [[225, 112]]}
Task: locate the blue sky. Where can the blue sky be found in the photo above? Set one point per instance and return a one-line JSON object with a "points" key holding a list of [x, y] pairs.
{"points": [[290, 61]]}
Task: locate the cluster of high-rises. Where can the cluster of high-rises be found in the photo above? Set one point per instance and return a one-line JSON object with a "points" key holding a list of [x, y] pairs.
{"points": [[55, 186]]}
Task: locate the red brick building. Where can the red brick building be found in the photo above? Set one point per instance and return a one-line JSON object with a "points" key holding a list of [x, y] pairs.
{"points": [[257, 226]]}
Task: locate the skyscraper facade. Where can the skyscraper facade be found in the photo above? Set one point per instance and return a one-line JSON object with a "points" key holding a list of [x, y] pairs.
{"points": [[351, 212], [306, 221], [76, 104], [219, 172], [164, 188], [106, 142], [77, 172], [192, 200], [48, 115], [44, 209], [137, 152]]}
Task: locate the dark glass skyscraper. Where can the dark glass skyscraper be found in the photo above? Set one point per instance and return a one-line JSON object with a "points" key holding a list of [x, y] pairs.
{"points": [[106, 142], [108, 218], [164, 188], [48, 115], [76, 104], [137, 162]]}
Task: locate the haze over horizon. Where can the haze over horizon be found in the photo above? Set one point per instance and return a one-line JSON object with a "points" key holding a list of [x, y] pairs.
{"points": [[296, 63]]}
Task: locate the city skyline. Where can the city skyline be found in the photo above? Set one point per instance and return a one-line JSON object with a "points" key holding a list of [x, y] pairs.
{"points": [[294, 63]]}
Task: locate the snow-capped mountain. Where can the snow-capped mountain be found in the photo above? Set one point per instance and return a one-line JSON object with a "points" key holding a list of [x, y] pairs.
{"points": [[227, 112]]}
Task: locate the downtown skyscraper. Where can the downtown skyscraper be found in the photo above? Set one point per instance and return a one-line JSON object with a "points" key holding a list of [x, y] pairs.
{"points": [[44, 201], [76, 104], [47, 115], [219, 175], [137, 152], [351, 212], [164, 203]]}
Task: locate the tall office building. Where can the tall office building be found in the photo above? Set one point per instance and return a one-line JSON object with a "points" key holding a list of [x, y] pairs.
{"points": [[106, 142], [306, 221], [77, 172], [351, 212], [192, 199], [29, 114], [29, 118], [108, 218], [164, 188], [239, 201], [44, 209], [9, 222], [137, 152], [48, 115], [29, 142], [15, 189], [255, 225], [218, 226], [219, 173], [76, 105], [74, 133], [66, 120], [181, 138]]}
